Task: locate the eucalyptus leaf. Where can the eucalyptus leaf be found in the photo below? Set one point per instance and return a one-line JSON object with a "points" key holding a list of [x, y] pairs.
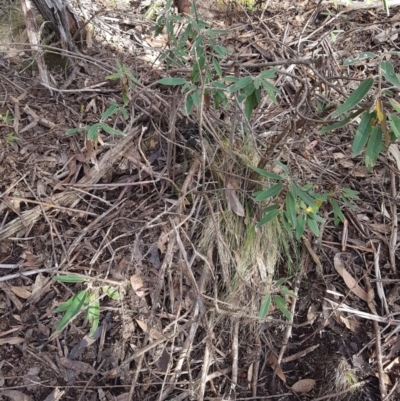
{"points": [[362, 134], [268, 193], [268, 217], [373, 147], [389, 74], [355, 98], [267, 174]]}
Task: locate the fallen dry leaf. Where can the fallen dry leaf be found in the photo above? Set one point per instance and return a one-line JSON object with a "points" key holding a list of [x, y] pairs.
{"points": [[233, 200], [273, 360], [15, 395], [21, 292], [303, 386], [137, 285], [11, 340], [154, 334], [350, 281]]}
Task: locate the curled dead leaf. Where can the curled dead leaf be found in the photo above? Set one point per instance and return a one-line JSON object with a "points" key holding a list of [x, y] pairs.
{"points": [[303, 386]]}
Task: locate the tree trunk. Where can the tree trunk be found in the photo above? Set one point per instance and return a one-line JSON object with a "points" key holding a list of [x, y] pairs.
{"points": [[63, 19]]}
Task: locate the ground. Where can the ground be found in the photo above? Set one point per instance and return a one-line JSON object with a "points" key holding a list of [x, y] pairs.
{"points": [[154, 223]]}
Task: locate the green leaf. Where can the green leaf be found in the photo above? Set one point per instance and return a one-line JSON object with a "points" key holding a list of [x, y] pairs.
{"points": [[282, 166], [93, 313], [112, 292], [74, 130], [388, 72], [271, 90], [111, 131], [269, 74], [109, 112], [350, 193], [395, 104], [342, 123], [218, 85], [291, 210], [172, 81], [305, 197], [265, 305], [92, 132], [196, 97], [360, 57], [74, 307], [69, 279], [217, 67], [281, 305], [362, 134], [280, 282], [355, 97], [188, 105], [338, 215], [395, 124], [313, 226], [268, 193], [266, 173], [300, 226], [268, 217], [285, 291], [240, 84], [222, 51], [373, 147], [250, 104], [270, 207]]}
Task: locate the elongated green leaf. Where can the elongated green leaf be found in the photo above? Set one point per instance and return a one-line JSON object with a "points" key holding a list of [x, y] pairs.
{"points": [[64, 306], [281, 305], [266, 173], [268, 193], [111, 130], [282, 166], [112, 292], [373, 147], [362, 134], [286, 292], [395, 124], [269, 74], [172, 81], [69, 279], [265, 305], [338, 215], [269, 208], [280, 282], [350, 193], [93, 313], [360, 57], [395, 104], [355, 97], [313, 226], [291, 210], [217, 67], [306, 198], [249, 105], [74, 130], [240, 84], [268, 217], [342, 123], [92, 132], [218, 85], [300, 226], [109, 112], [389, 74], [76, 304]]}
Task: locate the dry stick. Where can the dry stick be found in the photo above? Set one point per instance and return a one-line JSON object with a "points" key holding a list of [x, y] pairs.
{"points": [[378, 348], [393, 237], [288, 332], [235, 353]]}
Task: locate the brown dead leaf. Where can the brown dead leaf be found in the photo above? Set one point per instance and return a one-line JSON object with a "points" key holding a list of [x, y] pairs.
{"points": [[137, 285], [312, 313], [350, 281], [154, 334], [232, 198], [273, 361], [11, 340], [21, 292], [303, 386], [78, 366], [351, 324], [15, 395]]}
